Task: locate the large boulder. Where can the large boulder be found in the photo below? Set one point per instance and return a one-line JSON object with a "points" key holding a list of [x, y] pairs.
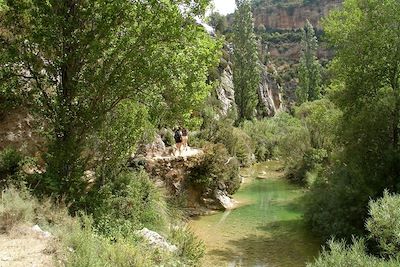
{"points": [[156, 240], [218, 200]]}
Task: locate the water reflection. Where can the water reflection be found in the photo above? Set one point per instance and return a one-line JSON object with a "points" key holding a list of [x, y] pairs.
{"points": [[269, 231]]}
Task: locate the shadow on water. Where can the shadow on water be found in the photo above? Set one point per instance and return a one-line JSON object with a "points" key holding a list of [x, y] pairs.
{"points": [[285, 243]]}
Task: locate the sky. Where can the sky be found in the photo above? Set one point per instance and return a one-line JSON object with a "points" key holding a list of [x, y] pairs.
{"points": [[225, 6]]}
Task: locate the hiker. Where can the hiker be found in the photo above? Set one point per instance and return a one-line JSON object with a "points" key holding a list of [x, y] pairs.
{"points": [[178, 139], [185, 138]]}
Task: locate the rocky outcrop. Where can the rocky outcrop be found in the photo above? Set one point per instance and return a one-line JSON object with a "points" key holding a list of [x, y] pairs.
{"points": [[225, 91], [217, 200], [156, 240], [21, 130], [292, 15], [269, 92], [172, 173]]}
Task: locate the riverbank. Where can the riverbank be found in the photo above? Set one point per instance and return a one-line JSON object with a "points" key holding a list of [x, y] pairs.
{"points": [[267, 231]]}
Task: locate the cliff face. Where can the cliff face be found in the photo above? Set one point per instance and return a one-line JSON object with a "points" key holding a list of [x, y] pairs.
{"points": [[292, 16], [269, 92]]}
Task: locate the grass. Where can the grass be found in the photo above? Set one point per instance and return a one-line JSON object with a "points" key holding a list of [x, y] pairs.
{"points": [[78, 243]]}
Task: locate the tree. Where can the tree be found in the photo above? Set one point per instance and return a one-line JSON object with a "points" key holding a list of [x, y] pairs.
{"points": [[219, 22], [246, 69], [366, 68], [76, 61], [366, 35], [309, 87]]}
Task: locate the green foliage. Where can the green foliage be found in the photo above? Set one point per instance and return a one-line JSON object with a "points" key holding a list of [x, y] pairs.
{"points": [[336, 202], [191, 249], [321, 118], [13, 168], [117, 138], [339, 254], [302, 169], [215, 167], [75, 62], [90, 249], [384, 228], [128, 202], [281, 37], [367, 90], [366, 84], [384, 224], [236, 141], [309, 87], [9, 162], [79, 242], [218, 22], [246, 69]]}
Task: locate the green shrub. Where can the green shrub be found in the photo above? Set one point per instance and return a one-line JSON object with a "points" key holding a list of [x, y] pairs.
{"points": [[243, 148], [195, 140], [281, 136], [339, 254], [83, 247], [336, 202], [384, 224], [191, 249], [310, 164], [128, 202], [10, 162], [384, 227], [214, 167], [236, 141], [168, 138]]}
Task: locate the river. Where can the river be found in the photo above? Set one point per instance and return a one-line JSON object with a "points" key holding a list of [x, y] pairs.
{"points": [[266, 230]]}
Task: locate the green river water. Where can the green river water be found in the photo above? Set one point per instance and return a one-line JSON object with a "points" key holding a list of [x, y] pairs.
{"points": [[266, 230]]}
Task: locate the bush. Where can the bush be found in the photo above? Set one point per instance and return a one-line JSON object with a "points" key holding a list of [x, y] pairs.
{"points": [[236, 141], [318, 129], [311, 164], [128, 202], [384, 224], [10, 160], [191, 249], [83, 247], [167, 137], [215, 167], [281, 136], [384, 228], [336, 202], [339, 254]]}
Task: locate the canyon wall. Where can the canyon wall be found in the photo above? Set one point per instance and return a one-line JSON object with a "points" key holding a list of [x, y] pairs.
{"points": [[292, 16]]}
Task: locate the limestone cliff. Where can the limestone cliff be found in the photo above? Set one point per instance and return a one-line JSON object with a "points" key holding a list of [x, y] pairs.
{"points": [[225, 91], [287, 15], [269, 92]]}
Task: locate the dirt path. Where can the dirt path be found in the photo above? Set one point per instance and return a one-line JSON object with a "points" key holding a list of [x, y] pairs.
{"points": [[24, 247]]}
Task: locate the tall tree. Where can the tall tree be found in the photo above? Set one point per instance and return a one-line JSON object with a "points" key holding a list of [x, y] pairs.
{"points": [[246, 68], [366, 38], [76, 60], [309, 87]]}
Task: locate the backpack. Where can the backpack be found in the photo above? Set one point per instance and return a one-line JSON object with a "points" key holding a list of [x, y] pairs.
{"points": [[178, 136]]}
